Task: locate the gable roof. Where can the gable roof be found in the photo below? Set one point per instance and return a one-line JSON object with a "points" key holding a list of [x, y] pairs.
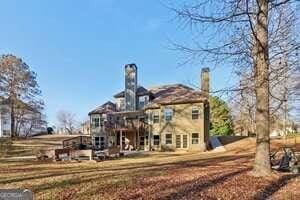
{"points": [[141, 91], [161, 95], [105, 108], [174, 94]]}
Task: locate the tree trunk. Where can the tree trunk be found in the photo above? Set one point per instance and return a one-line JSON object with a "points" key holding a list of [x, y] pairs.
{"points": [[12, 119], [262, 165]]}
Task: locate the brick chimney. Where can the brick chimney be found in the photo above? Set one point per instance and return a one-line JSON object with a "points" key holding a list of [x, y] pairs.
{"points": [[205, 81], [206, 109], [130, 87]]}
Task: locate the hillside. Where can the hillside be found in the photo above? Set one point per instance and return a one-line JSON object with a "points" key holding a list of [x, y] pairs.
{"points": [[30, 146]]}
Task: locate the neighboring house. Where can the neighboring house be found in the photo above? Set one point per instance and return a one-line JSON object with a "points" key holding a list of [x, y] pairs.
{"points": [[85, 128], [168, 117], [28, 120], [4, 120]]}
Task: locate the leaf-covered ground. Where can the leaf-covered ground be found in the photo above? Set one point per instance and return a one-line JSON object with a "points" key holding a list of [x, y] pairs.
{"points": [[209, 175]]}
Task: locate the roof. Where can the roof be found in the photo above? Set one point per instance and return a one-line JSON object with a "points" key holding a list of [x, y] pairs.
{"points": [[174, 94], [161, 95], [141, 91], [105, 108]]}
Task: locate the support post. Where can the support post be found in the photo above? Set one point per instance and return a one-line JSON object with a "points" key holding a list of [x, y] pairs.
{"points": [[121, 145], [138, 134]]}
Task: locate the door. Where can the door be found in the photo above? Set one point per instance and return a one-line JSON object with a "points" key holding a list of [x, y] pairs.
{"points": [[181, 141]]}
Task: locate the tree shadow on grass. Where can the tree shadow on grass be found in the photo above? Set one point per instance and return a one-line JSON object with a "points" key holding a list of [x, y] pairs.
{"points": [[230, 139], [274, 186], [187, 189], [188, 163], [198, 187], [218, 161]]}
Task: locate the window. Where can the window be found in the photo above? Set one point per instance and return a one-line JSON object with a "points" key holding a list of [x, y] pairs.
{"points": [[178, 141], [195, 138], [122, 104], [184, 141], [95, 122], [6, 133], [156, 140], [97, 141], [155, 118], [147, 117], [101, 121], [142, 141], [168, 138], [142, 102], [168, 114], [102, 142], [146, 140], [195, 113]]}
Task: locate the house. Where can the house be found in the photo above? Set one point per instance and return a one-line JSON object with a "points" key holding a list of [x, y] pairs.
{"points": [[85, 128], [167, 117], [28, 121], [4, 119]]}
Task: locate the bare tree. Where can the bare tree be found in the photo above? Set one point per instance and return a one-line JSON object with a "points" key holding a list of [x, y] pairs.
{"points": [[18, 85], [30, 119], [252, 36], [67, 121]]}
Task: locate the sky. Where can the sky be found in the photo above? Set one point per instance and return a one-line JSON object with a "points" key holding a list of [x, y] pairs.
{"points": [[79, 49]]}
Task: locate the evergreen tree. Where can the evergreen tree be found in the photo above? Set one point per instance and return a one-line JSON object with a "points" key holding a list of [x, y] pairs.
{"points": [[221, 123]]}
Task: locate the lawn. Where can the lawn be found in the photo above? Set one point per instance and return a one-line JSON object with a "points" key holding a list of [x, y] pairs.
{"points": [[210, 175]]}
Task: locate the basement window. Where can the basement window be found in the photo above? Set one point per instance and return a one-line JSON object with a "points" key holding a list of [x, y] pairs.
{"points": [[168, 138], [156, 140], [195, 113], [195, 138]]}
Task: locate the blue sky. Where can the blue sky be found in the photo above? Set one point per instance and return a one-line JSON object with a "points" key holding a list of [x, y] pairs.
{"points": [[79, 48]]}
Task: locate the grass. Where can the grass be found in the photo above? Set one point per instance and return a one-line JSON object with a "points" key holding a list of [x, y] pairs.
{"points": [[153, 175], [31, 146]]}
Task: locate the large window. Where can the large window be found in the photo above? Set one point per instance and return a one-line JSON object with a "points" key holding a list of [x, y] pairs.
{"points": [[195, 138], [195, 113], [156, 139], [95, 122], [168, 138], [155, 118], [168, 114]]}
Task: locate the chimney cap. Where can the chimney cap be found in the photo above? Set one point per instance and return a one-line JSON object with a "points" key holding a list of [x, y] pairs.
{"points": [[130, 65], [205, 69]]}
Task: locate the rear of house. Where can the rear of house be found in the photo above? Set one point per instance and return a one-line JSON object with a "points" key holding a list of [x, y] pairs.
{"points": [[167, 117]]}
